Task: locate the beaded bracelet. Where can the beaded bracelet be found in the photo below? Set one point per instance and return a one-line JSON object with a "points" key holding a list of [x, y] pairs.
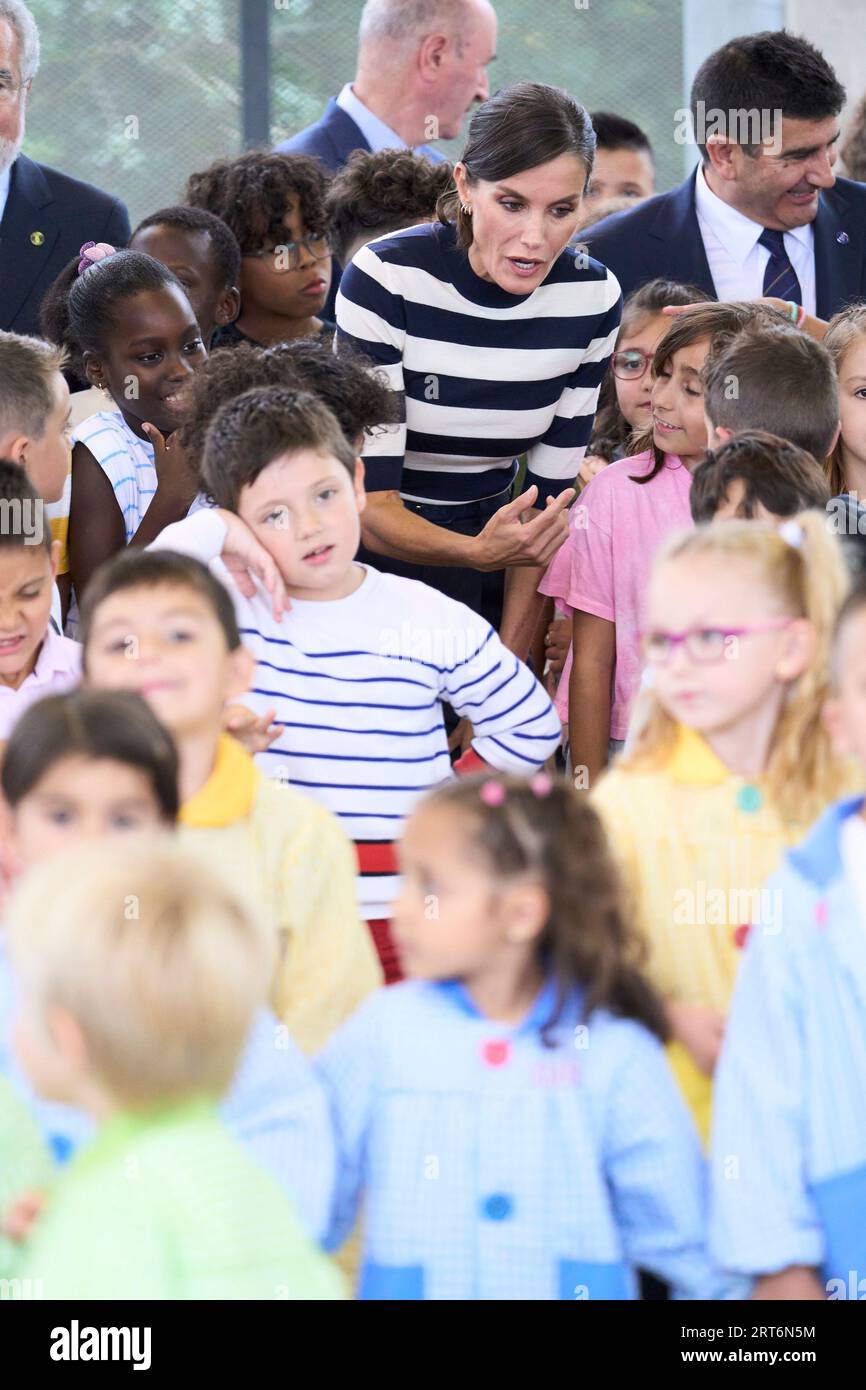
{"points": [[796, 313]]}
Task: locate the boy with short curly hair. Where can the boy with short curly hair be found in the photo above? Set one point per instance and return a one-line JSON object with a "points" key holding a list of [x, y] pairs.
{"points": [[275, 205]]}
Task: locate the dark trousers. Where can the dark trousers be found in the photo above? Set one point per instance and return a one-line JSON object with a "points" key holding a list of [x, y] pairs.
{"points": [[482, 592]]}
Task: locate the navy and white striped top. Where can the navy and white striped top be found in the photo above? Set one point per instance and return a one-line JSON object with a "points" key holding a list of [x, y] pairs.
{"points": [[358, 685], [481, 375]]}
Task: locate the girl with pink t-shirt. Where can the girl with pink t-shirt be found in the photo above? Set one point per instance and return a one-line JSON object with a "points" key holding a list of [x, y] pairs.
{"points": [[624, 411], [620, 520]]}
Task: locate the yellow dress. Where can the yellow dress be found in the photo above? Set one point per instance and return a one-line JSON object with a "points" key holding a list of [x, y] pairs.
{"points": [[696, 845]]}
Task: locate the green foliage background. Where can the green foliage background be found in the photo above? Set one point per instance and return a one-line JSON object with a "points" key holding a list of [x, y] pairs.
{"points": [[135, 94]]}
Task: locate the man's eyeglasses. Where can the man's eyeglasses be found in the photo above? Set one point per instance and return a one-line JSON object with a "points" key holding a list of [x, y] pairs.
{"points": [[289, 255], [705, 645], [631, 364], [10, 91]]}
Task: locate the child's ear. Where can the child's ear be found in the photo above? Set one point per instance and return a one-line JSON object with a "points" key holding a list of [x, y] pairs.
{"points": [[8, 836], [54, 558], [799, 650], [358, 482], [228, 307], [239, 675], [93, 369], [833, 716], [15, 449], [835, 439], [525, 910], [67, 1038]]}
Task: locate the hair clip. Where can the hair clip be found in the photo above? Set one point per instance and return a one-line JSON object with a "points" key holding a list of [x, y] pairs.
{"points": [[541, 784], [492, 793], [793, 533], [91, 252]]}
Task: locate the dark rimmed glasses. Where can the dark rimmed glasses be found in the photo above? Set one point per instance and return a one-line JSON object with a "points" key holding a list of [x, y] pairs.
{"points": [[705, 645], [289, 255]]}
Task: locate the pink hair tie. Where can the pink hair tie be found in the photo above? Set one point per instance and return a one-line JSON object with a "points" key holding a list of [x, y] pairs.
{"points": [[541, 784], [492, 793], [93, 251]]}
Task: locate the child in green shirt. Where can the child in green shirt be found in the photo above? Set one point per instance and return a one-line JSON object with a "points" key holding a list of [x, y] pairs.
{"points": [[138, 979]]}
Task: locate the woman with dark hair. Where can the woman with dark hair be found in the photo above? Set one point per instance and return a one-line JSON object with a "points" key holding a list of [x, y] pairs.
{"points": [[496, 333]]}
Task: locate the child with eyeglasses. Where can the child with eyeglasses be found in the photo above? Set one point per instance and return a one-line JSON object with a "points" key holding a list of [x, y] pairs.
{"points": [[730, 762], [275, 205], [624, 408]]}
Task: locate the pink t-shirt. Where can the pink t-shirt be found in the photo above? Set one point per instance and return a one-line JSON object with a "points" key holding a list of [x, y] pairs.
{"points": [[57, 669], [603, 568]]}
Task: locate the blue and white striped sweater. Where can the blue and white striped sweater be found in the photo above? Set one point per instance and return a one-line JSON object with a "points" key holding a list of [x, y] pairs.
{"points": [[481, 375], [358, 686]]}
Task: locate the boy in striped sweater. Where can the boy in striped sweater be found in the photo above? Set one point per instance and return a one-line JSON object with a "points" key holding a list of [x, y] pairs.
{"points": [[356, 663]]}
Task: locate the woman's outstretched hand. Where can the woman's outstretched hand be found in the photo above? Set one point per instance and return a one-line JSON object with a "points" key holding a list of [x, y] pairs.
{"points": [[507, 540]]}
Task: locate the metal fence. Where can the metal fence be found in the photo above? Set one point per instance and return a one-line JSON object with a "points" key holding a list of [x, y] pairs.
{"points": [[133, 95]]}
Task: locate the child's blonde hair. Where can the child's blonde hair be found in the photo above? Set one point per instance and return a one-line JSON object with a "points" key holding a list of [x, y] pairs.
{"points": [[810, 580], [156, 957], [843, 331]]}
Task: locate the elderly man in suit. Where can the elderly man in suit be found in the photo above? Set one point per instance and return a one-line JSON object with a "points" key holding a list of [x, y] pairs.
{"points": [[764, 214], [421, 65], [46, 216]]}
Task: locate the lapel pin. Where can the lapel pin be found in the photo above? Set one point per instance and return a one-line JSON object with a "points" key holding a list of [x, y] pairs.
{"points": [[842, 238], [37, 238]]}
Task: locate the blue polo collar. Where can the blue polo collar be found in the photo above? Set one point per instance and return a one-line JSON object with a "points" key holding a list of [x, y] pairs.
{"points": [[818, 858], [540, 1012]]}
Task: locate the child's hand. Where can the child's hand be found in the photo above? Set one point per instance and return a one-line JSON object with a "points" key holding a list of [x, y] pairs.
{"points": [[247, 560], [255, 731], [460, 738], [700, 1030], [174, 475], [21, 1215], [557, 643], [592, 464]]}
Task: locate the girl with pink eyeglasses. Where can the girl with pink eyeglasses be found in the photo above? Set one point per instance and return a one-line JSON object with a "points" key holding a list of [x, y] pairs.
{"points": [[730, 761]]}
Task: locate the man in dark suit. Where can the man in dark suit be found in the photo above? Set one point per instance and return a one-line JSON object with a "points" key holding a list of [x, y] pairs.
{"points": [[46, 215], [764, 214], [414, 82]]}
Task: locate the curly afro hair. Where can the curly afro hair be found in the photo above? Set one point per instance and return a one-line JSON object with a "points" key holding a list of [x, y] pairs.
{"points": [[251, 193], [355, 395], [374, 194]]}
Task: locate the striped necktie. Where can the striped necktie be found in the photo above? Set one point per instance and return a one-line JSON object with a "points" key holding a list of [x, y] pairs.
{"points": [[780, 277]]}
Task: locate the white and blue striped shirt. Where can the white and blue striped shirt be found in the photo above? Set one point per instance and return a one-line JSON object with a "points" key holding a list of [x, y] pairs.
{"points": [[126, 461], [481, 375], [358, 686]]}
